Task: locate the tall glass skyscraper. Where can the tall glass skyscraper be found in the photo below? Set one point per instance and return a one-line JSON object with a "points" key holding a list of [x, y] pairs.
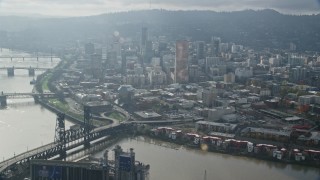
{"points": [[181, 63]]}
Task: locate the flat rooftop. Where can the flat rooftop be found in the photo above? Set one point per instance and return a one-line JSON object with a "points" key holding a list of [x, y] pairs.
{"points": [[61, 163], [232, 126], [268, 131], [226, 135], [147, 114]]}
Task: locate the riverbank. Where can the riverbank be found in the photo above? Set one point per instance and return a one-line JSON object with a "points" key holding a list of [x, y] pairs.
{"points": [[171, 161], [238, 148], [45, 83], [71, 118], [24, 124]]}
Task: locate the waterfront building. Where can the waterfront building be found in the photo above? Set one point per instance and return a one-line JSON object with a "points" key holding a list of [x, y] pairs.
{"points": [[45, 169], [124, 167], [127, 168]]}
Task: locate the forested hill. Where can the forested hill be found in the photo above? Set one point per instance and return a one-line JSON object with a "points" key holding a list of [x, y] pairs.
{"points": [[257, 29]]}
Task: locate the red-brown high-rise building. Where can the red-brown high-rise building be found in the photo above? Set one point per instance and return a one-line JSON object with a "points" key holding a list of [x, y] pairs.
{"points": [[181, 63]]}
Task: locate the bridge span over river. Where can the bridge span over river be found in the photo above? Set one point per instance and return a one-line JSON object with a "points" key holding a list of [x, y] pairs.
{"points": [[64, 141], [5, 96], [31, 70], [37, 57]]}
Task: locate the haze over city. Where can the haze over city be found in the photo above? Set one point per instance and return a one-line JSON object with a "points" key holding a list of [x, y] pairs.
{"points": [[159, 89], [67, 8]]}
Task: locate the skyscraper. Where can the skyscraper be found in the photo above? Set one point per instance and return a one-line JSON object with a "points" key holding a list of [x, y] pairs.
{"points": [[96, 65], [215, 46], [123, 62], [148, 52], [181, 62], [200, 50], [144, 38]]}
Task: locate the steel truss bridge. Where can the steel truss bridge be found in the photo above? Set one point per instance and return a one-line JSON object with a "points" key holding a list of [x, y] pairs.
{"points": [[64, 141], [26, 68], [37, 57], [28, 95], [36, 96]]}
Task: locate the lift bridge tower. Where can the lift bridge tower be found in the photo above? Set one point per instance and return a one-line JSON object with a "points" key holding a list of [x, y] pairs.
{"points": [[60, 131], [60, 135], [87, 125]]}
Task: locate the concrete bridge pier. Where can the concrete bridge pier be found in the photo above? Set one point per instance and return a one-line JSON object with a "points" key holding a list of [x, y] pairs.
{"points": [[10, 71], [3, 100], [31, 71]]}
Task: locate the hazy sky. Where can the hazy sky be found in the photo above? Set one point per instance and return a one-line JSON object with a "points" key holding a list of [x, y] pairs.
{"points": [[92, 7]]}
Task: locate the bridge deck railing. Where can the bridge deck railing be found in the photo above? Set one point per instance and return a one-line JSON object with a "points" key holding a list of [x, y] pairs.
{"points": [[40, 150], [5, 164]]}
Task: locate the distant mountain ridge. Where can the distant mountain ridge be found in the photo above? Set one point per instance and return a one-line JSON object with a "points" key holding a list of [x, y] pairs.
{"points": [[257, 29]]}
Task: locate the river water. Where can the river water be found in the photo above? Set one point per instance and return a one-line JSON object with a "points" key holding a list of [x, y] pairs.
{"points": [[174, 162], [23, 124]]}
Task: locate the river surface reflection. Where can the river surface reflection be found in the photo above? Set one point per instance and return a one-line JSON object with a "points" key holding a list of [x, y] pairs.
{"points": [[23, 124], [170, 161]]}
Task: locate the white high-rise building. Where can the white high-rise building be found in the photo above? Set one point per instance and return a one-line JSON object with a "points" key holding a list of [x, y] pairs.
{"points": [[157, 76]]}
